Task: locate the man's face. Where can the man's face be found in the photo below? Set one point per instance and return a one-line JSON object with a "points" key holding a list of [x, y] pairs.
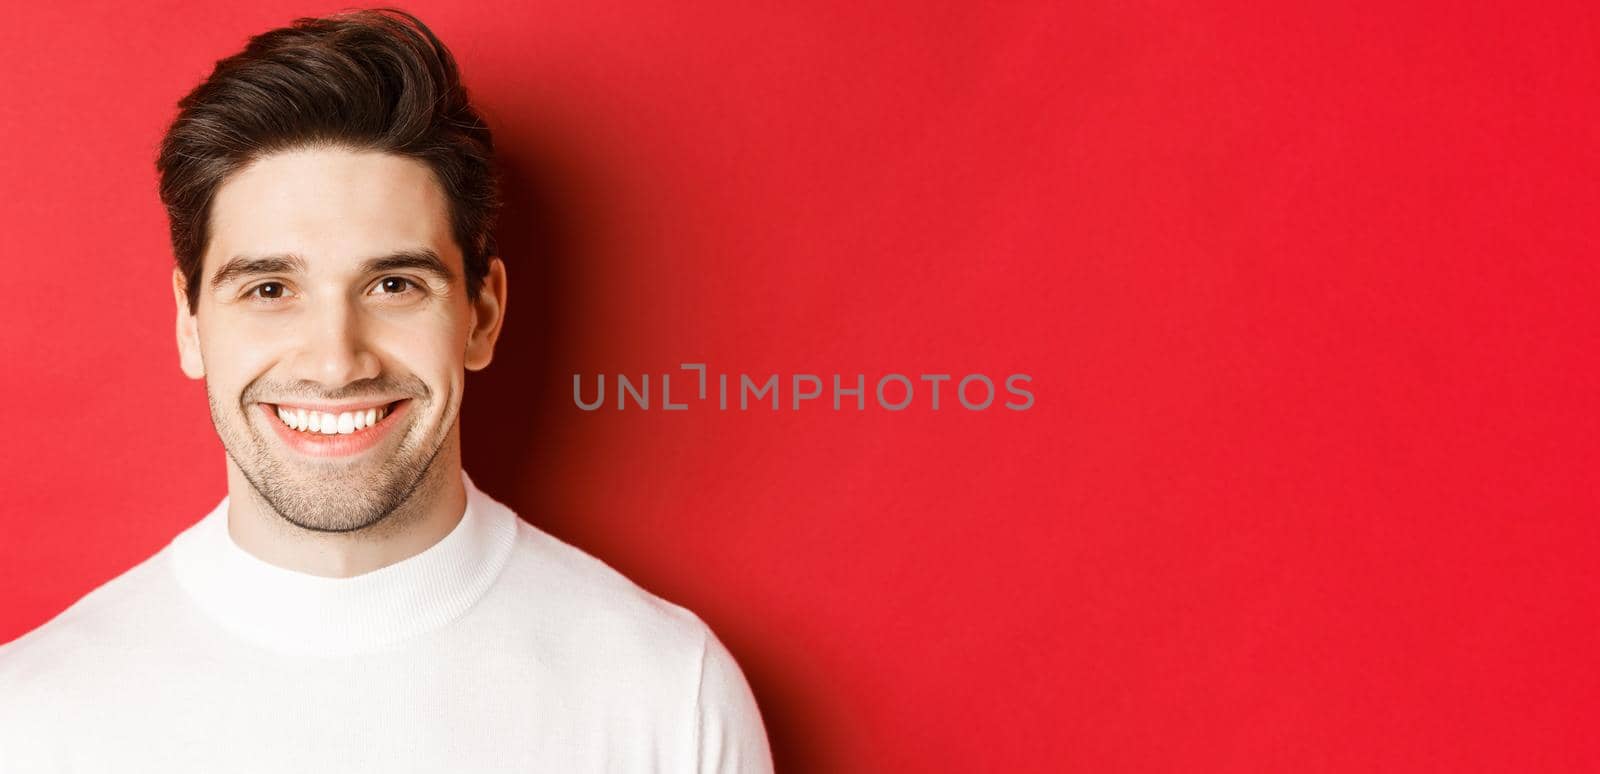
{"points": [[332, 329]]}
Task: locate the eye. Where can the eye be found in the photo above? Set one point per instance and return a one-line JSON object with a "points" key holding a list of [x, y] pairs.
{"points": [[395, 285], [267, 290]]}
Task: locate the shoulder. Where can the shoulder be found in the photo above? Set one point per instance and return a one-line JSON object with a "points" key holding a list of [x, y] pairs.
{"points": [[620, 644], [595, 603], [584, 637], [88, 637], [570, 612], [111, 609]]}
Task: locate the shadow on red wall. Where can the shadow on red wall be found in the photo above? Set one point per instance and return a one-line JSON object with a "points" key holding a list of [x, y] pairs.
{"points": [[516, 423]]}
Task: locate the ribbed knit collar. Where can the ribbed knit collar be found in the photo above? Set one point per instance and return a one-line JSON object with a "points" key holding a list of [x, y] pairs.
{"points": [[299, 613]]}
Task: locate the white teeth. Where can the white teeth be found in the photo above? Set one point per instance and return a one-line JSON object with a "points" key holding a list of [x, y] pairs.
{"points": [[330, 424]]}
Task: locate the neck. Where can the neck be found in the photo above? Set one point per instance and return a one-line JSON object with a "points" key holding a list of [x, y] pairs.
{"points": [[432, 511]]}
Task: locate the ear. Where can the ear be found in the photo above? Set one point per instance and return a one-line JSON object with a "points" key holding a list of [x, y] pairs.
{"points": [[188, 330], [488, 312]]}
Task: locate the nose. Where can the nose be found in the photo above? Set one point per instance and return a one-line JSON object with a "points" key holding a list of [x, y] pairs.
{"points": [[334, 347]]}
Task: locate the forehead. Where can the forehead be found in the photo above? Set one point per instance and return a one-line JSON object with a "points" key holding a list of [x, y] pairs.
{"points": [[331, 206]]}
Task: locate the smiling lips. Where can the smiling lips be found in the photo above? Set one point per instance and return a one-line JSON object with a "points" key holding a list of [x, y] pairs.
{"points": [[319, 433]]}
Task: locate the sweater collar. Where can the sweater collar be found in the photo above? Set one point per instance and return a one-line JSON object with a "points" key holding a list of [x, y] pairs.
{"points": [[295, 612]]}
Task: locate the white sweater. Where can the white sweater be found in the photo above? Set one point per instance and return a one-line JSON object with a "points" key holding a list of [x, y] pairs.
{"points": [[497, 649]]}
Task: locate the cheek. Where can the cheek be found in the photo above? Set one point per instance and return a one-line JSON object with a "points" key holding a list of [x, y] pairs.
{"points": [[434, 350], [235, 352]]}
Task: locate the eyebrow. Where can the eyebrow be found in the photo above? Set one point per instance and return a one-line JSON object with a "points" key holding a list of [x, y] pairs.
{"points": [[423, 260], [246, 266]]}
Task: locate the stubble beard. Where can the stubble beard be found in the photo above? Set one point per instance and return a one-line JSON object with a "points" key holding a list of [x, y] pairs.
{"points": [[329, 496]]}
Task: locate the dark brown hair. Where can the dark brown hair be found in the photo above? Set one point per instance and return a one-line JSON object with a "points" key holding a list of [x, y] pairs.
{"points": [[370, 80]]}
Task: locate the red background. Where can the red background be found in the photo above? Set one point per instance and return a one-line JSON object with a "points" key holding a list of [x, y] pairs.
{"points": [[1308, 297]]}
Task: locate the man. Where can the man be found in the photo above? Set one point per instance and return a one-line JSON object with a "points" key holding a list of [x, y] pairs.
{"points": [[355, 603]]}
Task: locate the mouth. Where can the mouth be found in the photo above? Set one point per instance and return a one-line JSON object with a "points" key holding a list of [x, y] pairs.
{"points": [[333, 431]]}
